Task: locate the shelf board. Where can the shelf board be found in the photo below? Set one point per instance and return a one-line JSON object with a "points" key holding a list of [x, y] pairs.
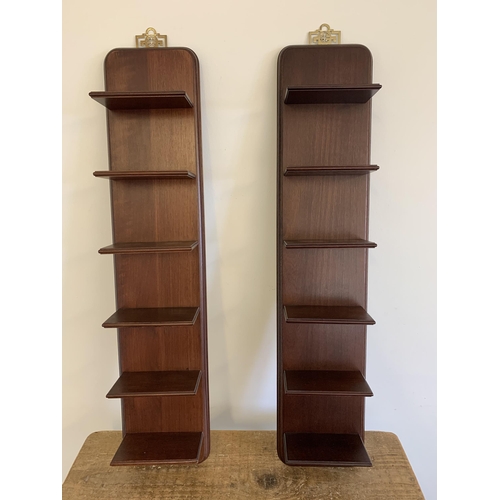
{"points": [[142, 100], [159, 448], [149, 247], [331, 94], [354, 243], [327, 382], [168, 383], [341, 450], [331, 170], [340, 315], [163, 316], [144, 174]]}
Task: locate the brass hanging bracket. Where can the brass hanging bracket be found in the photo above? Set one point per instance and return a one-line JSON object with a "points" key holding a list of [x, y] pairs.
{"points": [[324, 36], [150, 39]]}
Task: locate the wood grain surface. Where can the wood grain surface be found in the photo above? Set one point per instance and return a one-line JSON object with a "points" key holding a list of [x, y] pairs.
{"points": [[323, 185], [155, 168], [242, 465]]}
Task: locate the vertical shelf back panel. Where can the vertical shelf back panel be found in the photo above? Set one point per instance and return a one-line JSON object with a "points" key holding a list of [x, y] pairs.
{"points": [[152, 100], [323, 184]]}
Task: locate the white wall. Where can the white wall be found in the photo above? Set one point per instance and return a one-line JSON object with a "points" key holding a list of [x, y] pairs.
{"points": [[238, 47]]}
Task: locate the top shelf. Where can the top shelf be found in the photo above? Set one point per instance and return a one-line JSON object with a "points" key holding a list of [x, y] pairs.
{"points": [[331, 94], [143, 100]]}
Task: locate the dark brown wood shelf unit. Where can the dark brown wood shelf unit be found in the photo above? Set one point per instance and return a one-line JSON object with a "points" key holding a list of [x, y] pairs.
{"points": [[331, 170], [340, 450], [328, 382], [152, 316], [142, 100], [174, 382], [149, 247], [300, 244], [153, 114], [331, 94], [324, 132], [159, 448], [144, 174], [340, 315]]}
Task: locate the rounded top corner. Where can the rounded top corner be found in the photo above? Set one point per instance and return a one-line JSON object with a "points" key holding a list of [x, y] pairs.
{"points": [[111, 53], [366, 49], [286, 49], [191, 52]]}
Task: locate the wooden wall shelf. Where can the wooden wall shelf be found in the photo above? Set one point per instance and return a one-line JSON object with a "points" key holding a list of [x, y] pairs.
{"points": [[145, 174], [143, 100], [324, 128], [152, 101], [299, 244], [150, 448], [152, 316], [341, 315], [332, 382], [149, 247], [135, 384], [331, 94], [335, 170], [339, 450]]}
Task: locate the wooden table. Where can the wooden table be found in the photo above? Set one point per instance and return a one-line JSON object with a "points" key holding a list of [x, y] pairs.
{"points": [[241, 465]]}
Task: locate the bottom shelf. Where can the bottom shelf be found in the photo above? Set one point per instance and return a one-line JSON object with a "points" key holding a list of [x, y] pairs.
{"points": [[340, 450], [159, 448]]}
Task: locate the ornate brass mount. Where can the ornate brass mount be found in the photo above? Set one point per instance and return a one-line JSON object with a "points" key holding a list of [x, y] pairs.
{"points": [[150, 39], [324, 36]]}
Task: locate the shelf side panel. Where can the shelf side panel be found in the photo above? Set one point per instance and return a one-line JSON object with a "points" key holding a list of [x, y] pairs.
{"points": [[324, 347], [324, 414], [158, 280], [154, 210], [163, 414]]}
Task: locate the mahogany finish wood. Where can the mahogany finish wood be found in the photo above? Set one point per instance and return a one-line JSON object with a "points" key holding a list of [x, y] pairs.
{"points": [[332, 170], [142, 100], [134, 384], [152, 316], [324, 129], [332, 382], [294, 244], [331, 94], [147, 174], [340, 450], [149, 247], [343, 315], [159, 448], [152, 100]]}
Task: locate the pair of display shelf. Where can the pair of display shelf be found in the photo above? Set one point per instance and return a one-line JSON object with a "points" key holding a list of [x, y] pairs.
{"points": [[154, 138], [324, 121]]}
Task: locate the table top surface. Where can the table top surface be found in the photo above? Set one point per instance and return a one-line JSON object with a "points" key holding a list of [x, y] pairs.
{"points": [[242, 465]]}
